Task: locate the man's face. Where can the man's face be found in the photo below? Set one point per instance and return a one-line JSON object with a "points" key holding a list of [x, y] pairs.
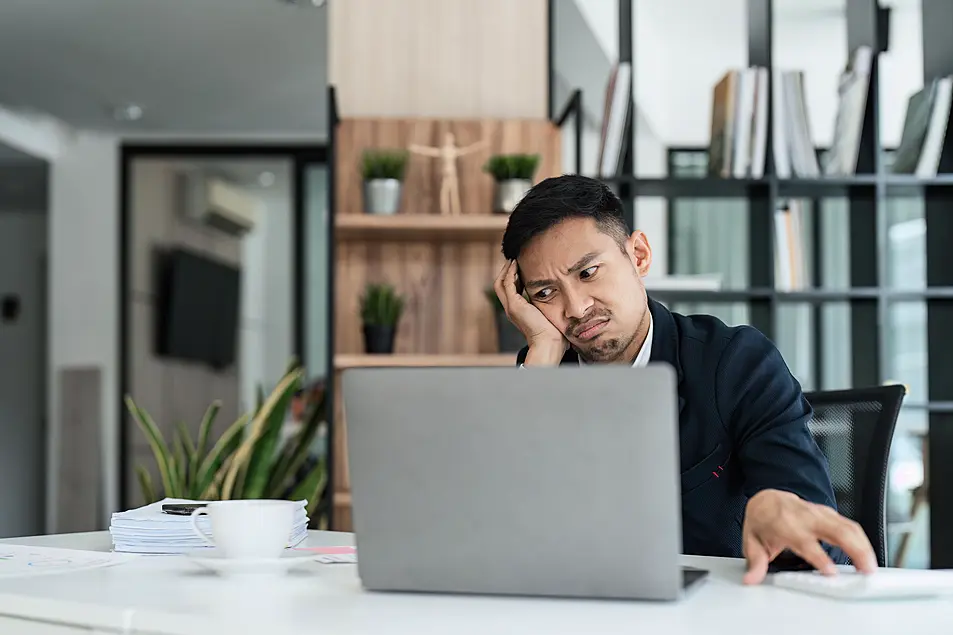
{"points": [[589, 288]]}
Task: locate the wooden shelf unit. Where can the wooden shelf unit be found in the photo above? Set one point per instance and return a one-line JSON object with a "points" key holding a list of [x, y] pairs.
{"points": [[443, 265], [344, 361], [352, 227]]}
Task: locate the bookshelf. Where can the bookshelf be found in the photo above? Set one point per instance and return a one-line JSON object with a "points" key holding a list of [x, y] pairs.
{"points": [[863, 198]]}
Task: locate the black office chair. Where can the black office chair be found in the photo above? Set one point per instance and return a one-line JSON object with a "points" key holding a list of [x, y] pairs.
{"points": [[854, 429]]}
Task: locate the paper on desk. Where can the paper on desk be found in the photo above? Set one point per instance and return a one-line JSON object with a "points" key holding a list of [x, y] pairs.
{"points": [[17, 560], [333, 555]]}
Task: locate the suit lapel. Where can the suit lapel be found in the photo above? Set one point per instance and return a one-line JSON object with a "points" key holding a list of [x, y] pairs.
{"points": [[665, 343]]}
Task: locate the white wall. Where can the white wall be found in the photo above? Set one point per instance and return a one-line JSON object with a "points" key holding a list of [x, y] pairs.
{"points": [[83, 268], [22, 368], [267, 332], [84, 289]]}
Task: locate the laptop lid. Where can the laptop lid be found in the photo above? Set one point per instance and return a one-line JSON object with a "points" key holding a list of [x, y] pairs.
{"points": [[538, 481]]}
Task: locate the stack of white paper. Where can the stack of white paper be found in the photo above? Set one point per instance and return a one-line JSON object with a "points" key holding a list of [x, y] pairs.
{"points": [[149, 530]]}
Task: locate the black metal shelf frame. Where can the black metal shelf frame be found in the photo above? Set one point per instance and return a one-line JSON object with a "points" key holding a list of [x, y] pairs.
{"points": [[866, 193]]}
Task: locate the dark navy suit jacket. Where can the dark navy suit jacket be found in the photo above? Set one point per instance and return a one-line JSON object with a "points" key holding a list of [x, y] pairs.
{"points": [[742, 427]]}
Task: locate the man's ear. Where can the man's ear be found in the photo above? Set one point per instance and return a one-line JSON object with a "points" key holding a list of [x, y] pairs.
{"points": [[639, 251]]}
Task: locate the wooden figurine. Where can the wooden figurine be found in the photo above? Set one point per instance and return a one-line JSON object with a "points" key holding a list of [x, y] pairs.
{"points": [[449, 184]]}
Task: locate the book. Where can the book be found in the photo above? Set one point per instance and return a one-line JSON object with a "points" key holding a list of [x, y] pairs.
{"points": [[852, 91]]}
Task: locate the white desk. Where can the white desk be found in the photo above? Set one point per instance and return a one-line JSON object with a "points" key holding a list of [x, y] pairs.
{"points": [[170, 596]]}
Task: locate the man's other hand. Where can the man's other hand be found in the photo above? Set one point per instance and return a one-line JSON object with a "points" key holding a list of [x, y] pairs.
{"points": [[777, 520]]}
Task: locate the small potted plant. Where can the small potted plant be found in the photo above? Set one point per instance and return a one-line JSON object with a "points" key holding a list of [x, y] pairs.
{"points": [[509, 338], [382, 171], [381, 308], [513, 174]]}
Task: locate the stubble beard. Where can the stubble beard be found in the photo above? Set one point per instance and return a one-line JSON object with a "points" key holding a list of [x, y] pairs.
{"points": [[606, 351]]}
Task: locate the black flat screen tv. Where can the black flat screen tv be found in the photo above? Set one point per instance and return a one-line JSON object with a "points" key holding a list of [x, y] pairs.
{"points": [[198, 308]]}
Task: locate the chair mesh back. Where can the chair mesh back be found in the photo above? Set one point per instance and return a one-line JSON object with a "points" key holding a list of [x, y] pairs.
{"points": [[854, 429], [845, 433]]}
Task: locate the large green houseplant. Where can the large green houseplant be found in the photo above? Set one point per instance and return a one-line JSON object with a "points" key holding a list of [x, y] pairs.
{"points": [[248, 460]]}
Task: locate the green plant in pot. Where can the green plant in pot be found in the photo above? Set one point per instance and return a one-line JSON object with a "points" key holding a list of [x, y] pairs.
{"points": [[249, 460], [381, 309], [382, 171], [509, 338], [513, 175]]}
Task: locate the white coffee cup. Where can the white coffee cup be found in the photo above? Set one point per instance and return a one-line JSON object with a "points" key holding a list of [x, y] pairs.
{"points": [[248, 528]]}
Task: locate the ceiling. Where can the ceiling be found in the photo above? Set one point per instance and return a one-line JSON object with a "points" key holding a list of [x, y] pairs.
{"points": [[194, 66]]}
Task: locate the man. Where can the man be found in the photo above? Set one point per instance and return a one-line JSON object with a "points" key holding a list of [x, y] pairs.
{"points": [[754, 483]]}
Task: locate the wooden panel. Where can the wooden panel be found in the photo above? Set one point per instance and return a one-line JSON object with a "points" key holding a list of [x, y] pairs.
{"points": [[442, 265], [444, 284], [421, 227], [444, 281], [439, 58], [341, 476], [342, 362], [422, 181]]}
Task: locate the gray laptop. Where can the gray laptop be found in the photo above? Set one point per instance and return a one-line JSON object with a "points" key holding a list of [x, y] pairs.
{"points": [[542, 482]]}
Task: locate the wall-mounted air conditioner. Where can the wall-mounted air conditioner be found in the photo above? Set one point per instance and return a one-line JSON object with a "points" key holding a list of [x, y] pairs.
{"points": [[216, 203]]}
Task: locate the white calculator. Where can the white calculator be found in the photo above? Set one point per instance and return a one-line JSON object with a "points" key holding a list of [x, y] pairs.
{"points": [[885, 583]]}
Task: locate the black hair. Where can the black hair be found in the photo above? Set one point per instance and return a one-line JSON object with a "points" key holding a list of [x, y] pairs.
{"points": [[557, 198]]}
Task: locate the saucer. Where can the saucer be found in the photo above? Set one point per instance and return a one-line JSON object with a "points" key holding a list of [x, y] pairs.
{"points": [[214, 560]]}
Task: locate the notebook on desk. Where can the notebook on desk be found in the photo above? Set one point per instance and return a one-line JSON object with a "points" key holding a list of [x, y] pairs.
{"points": [[548, 482]]}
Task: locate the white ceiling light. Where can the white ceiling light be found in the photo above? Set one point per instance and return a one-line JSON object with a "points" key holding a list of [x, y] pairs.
{"points": [[266, 179], [128, 112]]}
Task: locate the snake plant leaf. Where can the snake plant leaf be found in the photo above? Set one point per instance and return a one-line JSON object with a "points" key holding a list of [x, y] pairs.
{"points": [[258, 425], [296, 451], [205, 428], [156, 442], [280, 470], [181, 459], [145, 485], [311, 486], [214, 489], [187, 445], [223, 449], [262, 455]]}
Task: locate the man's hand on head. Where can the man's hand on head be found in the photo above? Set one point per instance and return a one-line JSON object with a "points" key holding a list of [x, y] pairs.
{"points": [[546, 344], [776, 521]]}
